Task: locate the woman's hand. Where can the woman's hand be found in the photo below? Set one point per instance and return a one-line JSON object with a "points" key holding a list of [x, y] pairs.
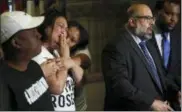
{"points": [[49, 68], [64, 48], [66, 62]]}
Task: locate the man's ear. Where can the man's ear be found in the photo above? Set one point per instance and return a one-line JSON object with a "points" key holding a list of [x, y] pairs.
{"points": [[16, 43], [132, 22]]}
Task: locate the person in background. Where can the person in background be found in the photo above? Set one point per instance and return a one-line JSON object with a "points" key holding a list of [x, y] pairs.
{"points": [[22, 82], [62, 83], [167, 41], [78, 42], [134, 78]]}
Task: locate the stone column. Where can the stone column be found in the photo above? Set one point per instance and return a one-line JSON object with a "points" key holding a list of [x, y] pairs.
{"points": [[30, 7], [41, 6]]}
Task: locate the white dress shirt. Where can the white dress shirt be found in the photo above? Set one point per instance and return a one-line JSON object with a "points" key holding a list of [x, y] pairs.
{"points": [[158, 38]]}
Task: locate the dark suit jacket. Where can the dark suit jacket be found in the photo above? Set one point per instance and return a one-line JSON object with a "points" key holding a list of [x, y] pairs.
{"points": [[173, 71], [129, 82]]}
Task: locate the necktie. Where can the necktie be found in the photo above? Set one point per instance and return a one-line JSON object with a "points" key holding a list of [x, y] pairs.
{"points": [[165, 49], [151, 63]]}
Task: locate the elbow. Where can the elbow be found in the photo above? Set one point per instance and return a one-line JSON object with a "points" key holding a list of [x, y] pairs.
{"points": [[86, 65], [79, 84], [79, 81]]}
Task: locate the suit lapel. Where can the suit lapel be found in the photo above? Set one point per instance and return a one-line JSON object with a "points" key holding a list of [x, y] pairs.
{"points": [[157, 60], [140, 54], [154, 43], [173, 48]]}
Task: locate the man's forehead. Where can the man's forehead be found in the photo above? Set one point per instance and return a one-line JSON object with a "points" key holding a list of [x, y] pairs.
{"points": [[23, 32], [171, 6], [144, 13]]}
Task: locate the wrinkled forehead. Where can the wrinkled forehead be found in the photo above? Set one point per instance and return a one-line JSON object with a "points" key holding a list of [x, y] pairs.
{"points": [[26, 31], [61, 21], [144, 11]]}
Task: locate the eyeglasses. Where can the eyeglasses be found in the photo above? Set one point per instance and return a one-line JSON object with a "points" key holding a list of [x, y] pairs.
{"points": [[149, 18]]}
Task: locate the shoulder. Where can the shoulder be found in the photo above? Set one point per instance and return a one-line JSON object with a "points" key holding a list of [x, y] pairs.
{"points": [[34, 70], [3, 82], [43, 56], [176, 36], [83, 51], [33, 65], [119, 42], [5, 69]]}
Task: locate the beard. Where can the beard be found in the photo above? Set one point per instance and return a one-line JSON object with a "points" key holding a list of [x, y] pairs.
{"points": [[163, 26], [141, 32]]}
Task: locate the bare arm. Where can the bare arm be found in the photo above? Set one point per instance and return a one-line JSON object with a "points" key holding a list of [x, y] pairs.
{"points": [[55, 75], [76, 70], [82, 60], [57, 82]]}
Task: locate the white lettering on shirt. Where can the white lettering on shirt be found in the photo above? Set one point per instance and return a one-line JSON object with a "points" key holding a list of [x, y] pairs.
{"points": [[36, 90]]}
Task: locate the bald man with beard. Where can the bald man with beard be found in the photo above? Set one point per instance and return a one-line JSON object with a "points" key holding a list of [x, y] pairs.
{"points": [[134, 78]]}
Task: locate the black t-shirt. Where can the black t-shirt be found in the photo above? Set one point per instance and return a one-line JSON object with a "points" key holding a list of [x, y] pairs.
{"points": [[25, 90]]}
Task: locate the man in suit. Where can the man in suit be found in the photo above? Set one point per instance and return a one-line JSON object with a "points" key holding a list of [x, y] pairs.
{"points": [[167, 41], [133, 78]]}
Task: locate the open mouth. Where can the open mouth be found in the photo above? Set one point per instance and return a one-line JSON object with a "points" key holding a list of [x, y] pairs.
{"points": [[171, 25]]}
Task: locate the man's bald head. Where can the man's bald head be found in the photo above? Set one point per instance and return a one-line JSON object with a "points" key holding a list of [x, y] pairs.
{"points": [[140, 20], [139, 10]]}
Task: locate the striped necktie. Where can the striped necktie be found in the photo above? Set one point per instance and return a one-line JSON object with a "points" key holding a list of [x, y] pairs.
{"points": [[150, 63]]}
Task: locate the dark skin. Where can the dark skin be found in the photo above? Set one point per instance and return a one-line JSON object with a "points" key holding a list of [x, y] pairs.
{"points": [[168, 16], [28, 45]]}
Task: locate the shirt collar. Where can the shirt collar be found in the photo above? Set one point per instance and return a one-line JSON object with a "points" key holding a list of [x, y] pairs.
{"points": [[157, 30], [158, 33], [136, 38]]}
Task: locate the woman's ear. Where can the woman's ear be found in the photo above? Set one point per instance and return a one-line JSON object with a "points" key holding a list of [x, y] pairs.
{"points": [[48, 31], [16, 43]]}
